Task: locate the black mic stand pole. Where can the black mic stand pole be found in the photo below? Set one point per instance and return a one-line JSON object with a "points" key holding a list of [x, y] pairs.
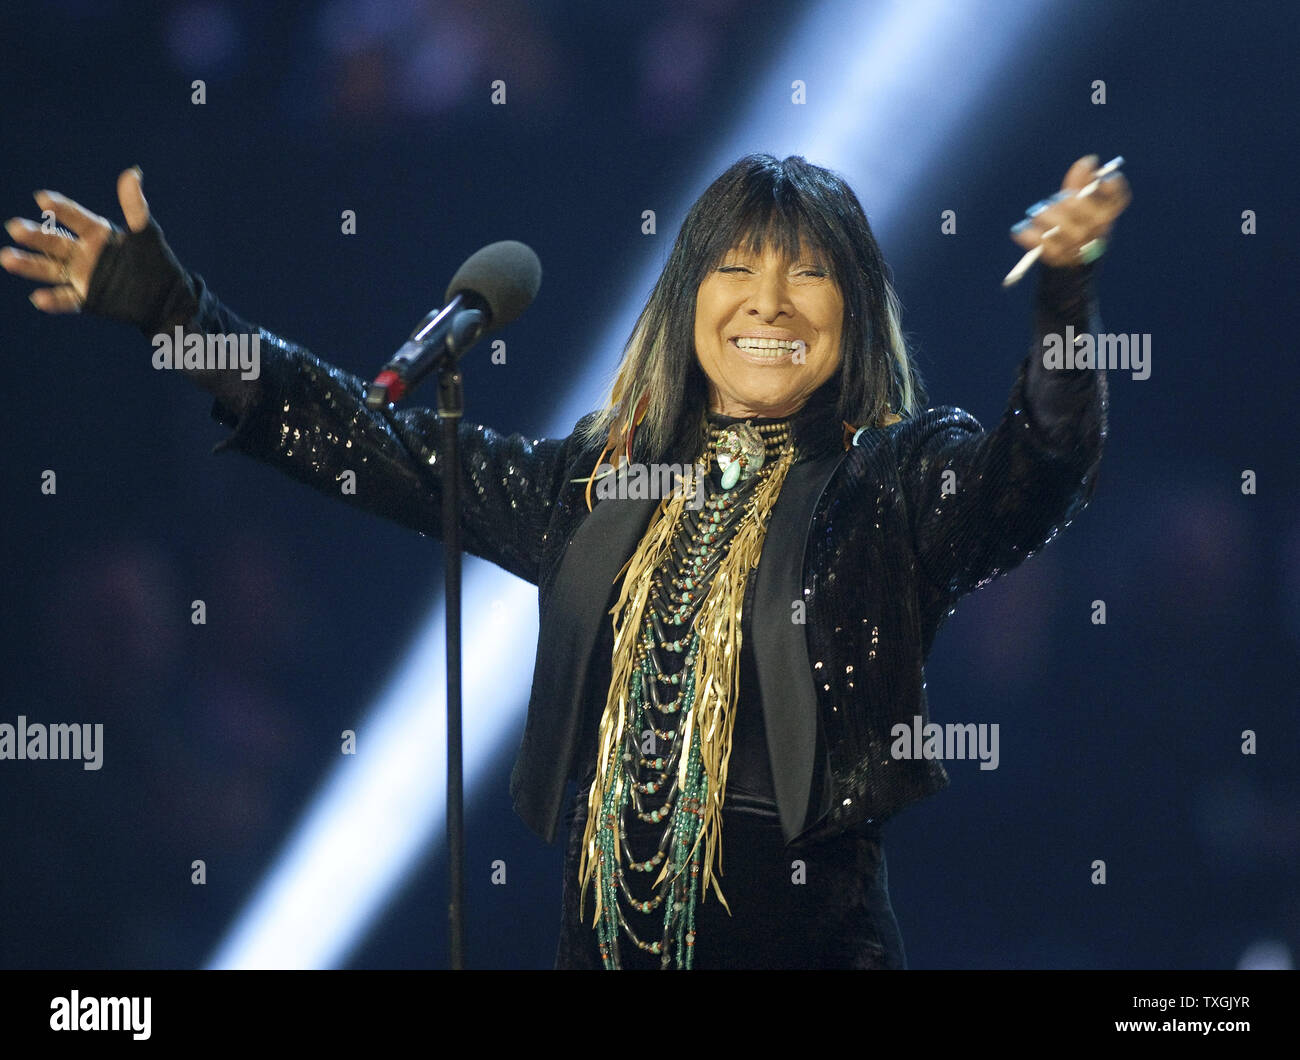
{"points": [[466, 328], [451, 406]]}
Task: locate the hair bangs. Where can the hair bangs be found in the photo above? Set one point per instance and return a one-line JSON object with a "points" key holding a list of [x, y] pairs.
{"points": [[759, 224]]}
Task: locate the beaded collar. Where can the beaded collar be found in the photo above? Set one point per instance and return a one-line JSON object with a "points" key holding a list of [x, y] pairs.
{"points": [[815, 427]]}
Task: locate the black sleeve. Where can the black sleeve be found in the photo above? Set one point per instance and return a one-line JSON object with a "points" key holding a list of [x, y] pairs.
{"points": [[309, 419], [980, 502]]}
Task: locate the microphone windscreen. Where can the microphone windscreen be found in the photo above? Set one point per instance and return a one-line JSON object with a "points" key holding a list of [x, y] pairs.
{"points": [[506, 275]]}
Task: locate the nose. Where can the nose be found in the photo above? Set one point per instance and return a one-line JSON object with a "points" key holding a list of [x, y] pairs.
{"points": [[770, 297]]}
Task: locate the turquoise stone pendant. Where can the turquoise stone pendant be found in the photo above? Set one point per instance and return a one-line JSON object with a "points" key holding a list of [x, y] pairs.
{"points": [[740, 453]]}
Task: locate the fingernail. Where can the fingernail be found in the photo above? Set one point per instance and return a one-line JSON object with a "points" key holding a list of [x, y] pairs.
{"points": [[1020, 227], [32, 298], [138, 172], [1037, 208], [1093, 161]]}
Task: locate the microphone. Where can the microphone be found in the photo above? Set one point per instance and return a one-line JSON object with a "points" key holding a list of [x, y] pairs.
{"points": [[491, 289]]}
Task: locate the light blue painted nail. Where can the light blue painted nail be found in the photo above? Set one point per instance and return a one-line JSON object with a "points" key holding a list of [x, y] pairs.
{"points": [[1037, 208], [1020, 227]]}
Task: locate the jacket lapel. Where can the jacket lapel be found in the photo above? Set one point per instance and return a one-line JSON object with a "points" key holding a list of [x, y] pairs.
{"points": [[780, 642], [568, 630]]}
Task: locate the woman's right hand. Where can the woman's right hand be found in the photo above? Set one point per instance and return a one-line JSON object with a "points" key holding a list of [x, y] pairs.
{"points": [[64, 261]]}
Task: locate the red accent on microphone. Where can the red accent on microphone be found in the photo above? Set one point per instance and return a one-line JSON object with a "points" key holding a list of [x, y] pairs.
{"points": [[392, 384]]}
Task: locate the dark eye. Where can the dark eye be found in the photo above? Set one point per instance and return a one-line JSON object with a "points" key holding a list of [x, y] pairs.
{"points": [[732, 268]]}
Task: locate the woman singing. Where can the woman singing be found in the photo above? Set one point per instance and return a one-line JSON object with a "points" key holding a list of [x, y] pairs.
{"points": [[721, 666]]}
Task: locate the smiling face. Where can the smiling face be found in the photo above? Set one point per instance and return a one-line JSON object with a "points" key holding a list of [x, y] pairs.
{"points": [[767, 331]]}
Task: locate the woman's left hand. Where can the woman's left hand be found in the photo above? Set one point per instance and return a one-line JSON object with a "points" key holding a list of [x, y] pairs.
{"points": [[1077, 220]]}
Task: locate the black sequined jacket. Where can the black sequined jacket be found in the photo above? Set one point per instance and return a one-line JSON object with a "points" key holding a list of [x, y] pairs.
{"points": [[877, 541]]}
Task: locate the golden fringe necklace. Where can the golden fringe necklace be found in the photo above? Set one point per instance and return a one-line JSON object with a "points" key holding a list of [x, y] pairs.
{"points": [[696, 723]]}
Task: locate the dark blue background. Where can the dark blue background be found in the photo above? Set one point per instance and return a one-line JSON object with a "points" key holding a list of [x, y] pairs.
{"points": [[1119, 742]]}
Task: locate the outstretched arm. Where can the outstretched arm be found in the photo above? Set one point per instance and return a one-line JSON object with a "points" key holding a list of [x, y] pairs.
{"points": [[298, 413], [981, 502]]}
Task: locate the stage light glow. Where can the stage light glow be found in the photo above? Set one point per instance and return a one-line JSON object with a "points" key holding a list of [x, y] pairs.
{"points": [[378, 810], [890, 85]]}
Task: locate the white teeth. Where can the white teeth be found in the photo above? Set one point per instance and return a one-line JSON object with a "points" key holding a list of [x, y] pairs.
{"points": [[774, 347]]}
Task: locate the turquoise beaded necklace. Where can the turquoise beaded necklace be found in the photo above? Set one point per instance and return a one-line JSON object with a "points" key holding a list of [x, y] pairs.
{"points": [[662, 696]]}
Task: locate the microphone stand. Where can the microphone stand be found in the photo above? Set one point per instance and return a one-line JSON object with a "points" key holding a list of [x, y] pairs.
{"points": [[465, 329], [451, 406]]}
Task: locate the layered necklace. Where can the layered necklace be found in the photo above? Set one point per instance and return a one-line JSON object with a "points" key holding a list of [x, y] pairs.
{"points": [[665, 736]]}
